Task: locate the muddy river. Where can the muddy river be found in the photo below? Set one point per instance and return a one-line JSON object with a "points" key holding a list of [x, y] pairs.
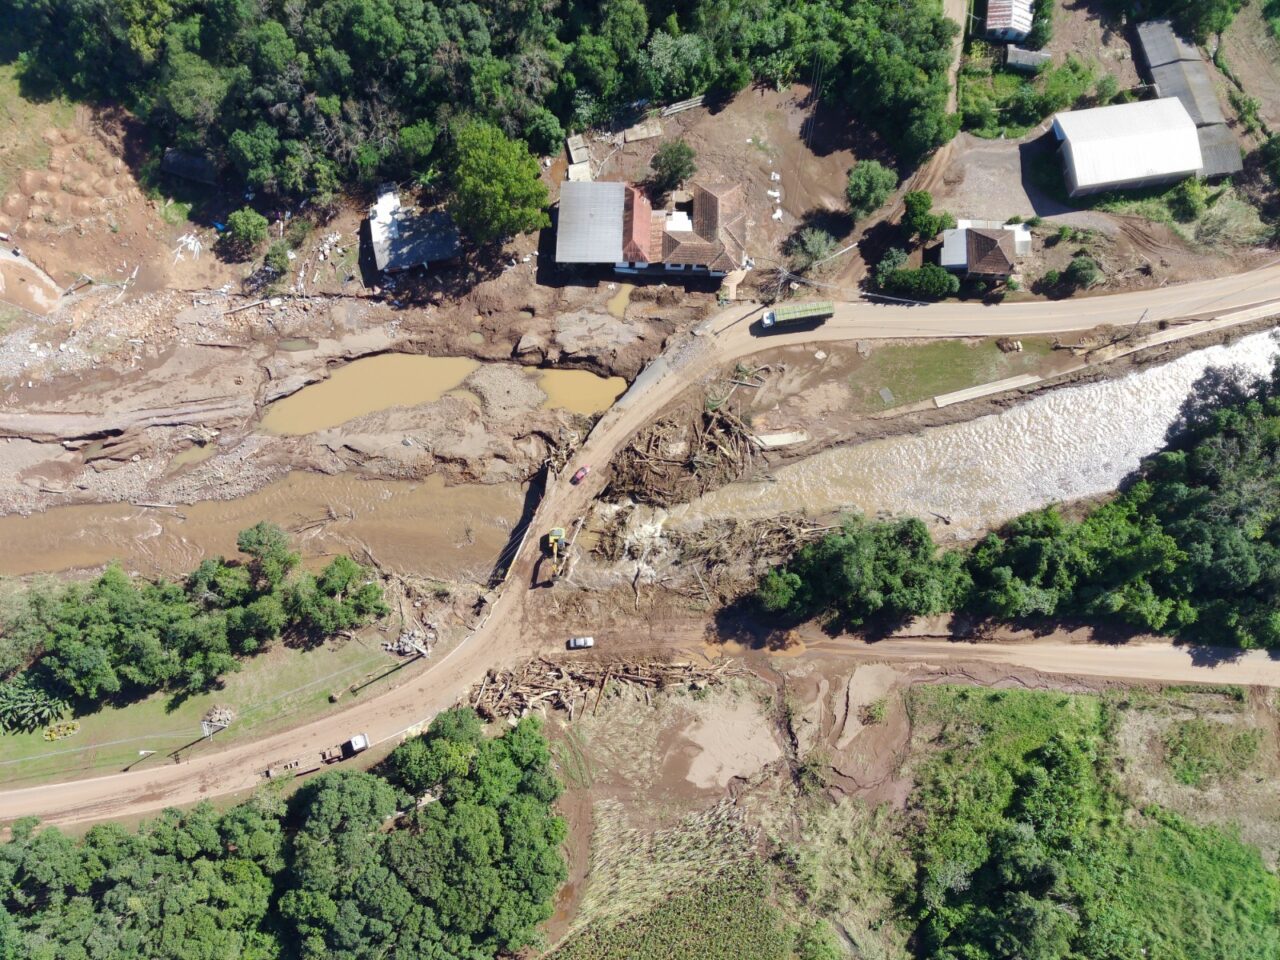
{"points": [[1062, 445], [423, 527], [405, 380]]}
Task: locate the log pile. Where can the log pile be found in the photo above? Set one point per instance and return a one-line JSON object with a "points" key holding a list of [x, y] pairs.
{"points": [[578, 686], [682, 457]]}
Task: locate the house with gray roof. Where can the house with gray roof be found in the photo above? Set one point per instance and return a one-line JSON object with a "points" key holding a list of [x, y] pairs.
{"points": [[614, 223], [404, 238], [1178, 70]]}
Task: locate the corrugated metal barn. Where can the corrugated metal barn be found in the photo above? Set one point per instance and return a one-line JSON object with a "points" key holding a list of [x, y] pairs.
{"points": [[1127, 145]]}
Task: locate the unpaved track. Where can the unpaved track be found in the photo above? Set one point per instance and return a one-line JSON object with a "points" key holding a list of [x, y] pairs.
{"points": [[506, 636]]}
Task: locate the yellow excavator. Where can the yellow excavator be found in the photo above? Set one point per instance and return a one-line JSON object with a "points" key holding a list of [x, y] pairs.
{"points": [[556, 548]]}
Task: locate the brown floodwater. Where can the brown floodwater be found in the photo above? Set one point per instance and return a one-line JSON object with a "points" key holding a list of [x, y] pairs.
{"points": [[579, 391], [425, 528], [406, 380], [366, 386]]}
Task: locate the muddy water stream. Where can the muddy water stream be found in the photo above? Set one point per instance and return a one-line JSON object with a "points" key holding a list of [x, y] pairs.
{"points": [[423, 527], [405, 380], [1065, 444]]}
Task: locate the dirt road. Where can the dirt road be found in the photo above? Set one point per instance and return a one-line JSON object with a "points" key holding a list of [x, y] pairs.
{"points": [[505, 636]]}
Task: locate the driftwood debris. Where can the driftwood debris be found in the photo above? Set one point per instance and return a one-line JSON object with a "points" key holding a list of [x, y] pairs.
{"points": [[564, 685]]}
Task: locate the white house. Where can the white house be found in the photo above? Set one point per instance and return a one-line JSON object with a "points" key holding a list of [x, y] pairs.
{"points": [[1009, 19]]}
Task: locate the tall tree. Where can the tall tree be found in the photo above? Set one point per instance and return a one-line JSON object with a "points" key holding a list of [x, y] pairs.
{"points": [[497, 190]]}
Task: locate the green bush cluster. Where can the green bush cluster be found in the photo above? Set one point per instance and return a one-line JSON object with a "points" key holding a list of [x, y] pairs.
{"points": [[927, 282], [919, 220], [1190, 548], [334, 874], [298, 98], [869, 186], [122, 636], [1024, 849]]}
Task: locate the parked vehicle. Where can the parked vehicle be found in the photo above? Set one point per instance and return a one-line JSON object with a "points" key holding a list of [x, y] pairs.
{"points": [[798, 313], [582, 643], [309, 764], [578, 477]]}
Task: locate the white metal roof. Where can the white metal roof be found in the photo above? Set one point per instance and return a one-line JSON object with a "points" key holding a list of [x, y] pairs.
{"points": [[1129, 142], [1008, 15], [590, 225]]}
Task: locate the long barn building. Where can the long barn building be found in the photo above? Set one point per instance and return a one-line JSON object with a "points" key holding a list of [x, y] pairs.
{"points": [[1128, 145]]}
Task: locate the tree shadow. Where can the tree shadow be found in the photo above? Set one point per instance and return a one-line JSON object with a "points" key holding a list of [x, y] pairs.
{"points": [[1216, 388], [827, 129], [837, 223]]}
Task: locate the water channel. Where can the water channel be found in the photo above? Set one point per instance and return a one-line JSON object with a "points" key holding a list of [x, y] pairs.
{"points": [[424, 528], [1061, 445]]}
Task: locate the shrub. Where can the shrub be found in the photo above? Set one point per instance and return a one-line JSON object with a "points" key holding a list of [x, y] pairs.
{"points": [[1189, 199], [920, 220], [1051, 278], [929, 282], [26, 704], [870, 184], [246, 228], [277, 257], [1106, 89], [895, 258], [1082, 272], [808, 247]]}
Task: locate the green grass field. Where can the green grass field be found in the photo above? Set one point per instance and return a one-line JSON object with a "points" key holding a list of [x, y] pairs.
{"points": [[280, 689], [915, 372]]}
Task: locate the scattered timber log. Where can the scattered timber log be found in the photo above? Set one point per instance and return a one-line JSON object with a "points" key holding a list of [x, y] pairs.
{"points": [[560, 684]]}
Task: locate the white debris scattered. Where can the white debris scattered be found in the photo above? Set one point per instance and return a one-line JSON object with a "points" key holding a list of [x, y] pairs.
{"points": [[187, 243], [292, 255], [775, 176], [777, 214], [774, 194]]}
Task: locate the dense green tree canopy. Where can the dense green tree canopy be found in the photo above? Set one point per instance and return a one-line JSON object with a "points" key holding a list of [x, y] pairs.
{"points": [[870, 184], [296, 97], [122, 636], [467, 873]]}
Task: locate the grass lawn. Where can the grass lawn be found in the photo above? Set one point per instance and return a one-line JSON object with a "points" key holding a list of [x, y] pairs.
{"points": [[281, 688], [914, 372], [22, 122]]}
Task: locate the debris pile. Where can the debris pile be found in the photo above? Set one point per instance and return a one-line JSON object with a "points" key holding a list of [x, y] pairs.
{"points": [[575, 686], [416, 641], [675, 460]]}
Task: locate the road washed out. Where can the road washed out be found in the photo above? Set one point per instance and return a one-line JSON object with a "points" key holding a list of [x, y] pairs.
{"points": [[1062, 445]]}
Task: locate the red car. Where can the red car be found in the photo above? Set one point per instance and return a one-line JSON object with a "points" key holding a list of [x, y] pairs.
{"points": [[578, 477]]}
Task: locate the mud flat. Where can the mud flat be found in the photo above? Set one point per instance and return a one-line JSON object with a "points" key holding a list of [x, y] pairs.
{"points": [[1066, 444], [424, 528]]}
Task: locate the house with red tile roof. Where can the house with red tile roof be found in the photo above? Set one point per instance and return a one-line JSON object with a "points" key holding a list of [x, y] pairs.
{"points": [[609, 222]]}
